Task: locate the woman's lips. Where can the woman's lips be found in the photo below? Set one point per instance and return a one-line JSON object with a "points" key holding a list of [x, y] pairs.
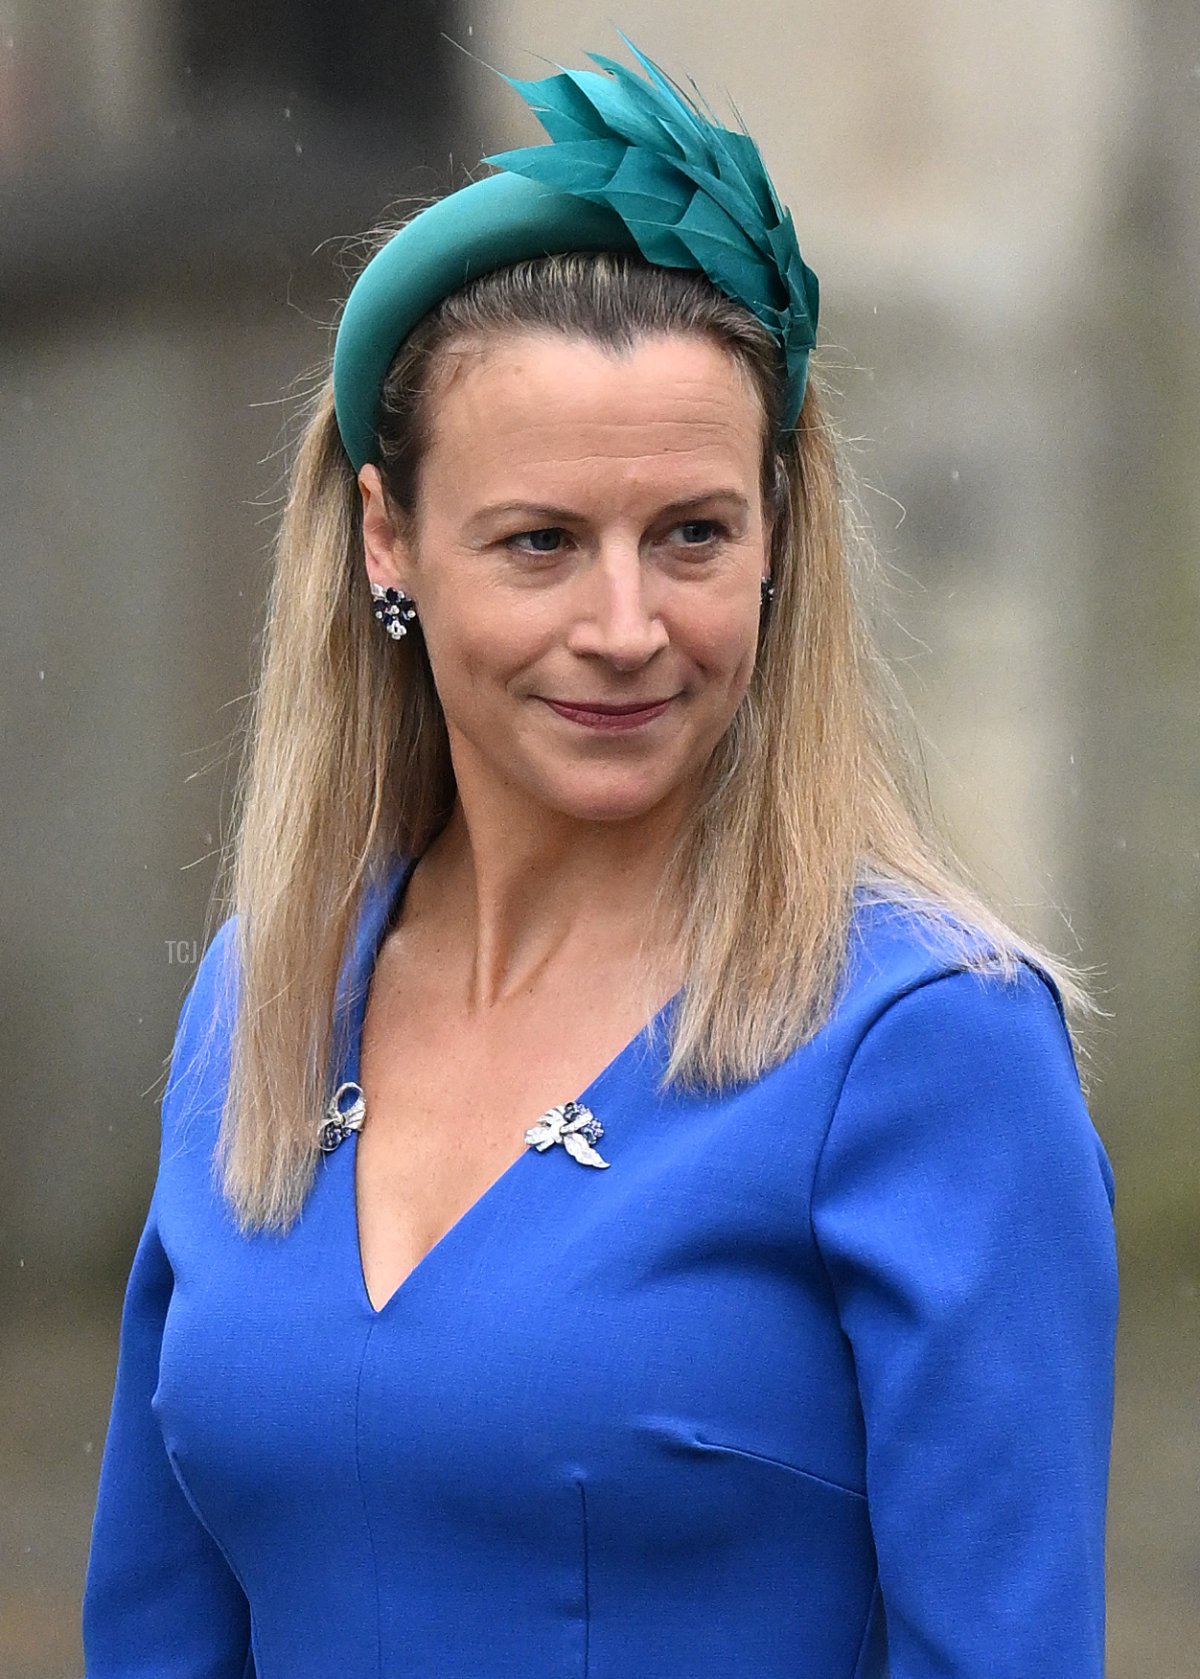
{"points": [[595, 714]]}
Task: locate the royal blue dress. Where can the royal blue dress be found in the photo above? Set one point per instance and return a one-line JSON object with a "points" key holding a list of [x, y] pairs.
{"points": [[814, 1381]]}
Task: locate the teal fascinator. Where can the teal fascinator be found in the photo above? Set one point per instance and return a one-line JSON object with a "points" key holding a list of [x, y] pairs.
{"points": [[633, 165]]}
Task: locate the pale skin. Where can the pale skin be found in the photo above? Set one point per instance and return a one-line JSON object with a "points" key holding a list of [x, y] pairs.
{"points": [[503, 989]]}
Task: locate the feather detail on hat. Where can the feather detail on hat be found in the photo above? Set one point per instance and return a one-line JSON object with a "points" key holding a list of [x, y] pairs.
{"points": [[692, 193]]}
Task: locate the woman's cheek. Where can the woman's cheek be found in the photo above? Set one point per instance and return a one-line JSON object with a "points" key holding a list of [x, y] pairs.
{"points": [[723, 647]]}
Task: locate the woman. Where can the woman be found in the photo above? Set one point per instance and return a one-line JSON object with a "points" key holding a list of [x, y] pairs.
{"points": [[781, 1342]]}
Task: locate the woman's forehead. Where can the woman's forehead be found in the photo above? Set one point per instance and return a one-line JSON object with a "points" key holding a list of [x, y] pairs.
{"points": [[672, 409]]}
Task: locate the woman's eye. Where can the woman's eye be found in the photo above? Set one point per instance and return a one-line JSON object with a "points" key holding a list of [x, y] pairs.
{"points": [[708, 528], [532, 536], [546, 539]]}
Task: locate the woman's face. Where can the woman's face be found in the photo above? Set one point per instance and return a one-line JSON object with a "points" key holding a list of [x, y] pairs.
{"points": [[590, 534]]}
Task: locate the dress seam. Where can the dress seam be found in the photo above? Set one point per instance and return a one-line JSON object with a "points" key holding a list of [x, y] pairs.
{"points": [[784, 1463], [185, 1489], [587, 1606], [889, 1004], [362, 1496], [875, 1596]]}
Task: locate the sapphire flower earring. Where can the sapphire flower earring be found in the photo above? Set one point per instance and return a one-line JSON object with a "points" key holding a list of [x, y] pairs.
{"points": [[394, 609]]}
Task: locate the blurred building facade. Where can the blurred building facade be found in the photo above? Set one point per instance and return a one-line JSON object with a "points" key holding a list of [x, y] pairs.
{"points": [[1000, 208]]}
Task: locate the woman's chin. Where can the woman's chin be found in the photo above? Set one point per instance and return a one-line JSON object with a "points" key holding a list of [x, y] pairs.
{"points": [[617, 797]]}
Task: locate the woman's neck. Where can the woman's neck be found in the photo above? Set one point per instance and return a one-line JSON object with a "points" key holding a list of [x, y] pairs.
{"points": [[515, 903]]}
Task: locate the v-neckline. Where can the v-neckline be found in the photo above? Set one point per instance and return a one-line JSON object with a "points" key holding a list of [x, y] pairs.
{"points": [[392, 899]]}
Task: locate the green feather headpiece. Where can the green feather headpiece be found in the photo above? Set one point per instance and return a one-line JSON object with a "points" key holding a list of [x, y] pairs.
{"points": [[634, 165]]}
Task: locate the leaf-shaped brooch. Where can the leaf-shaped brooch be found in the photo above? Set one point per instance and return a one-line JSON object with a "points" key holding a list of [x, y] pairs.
{"points": [[572, 1125]]}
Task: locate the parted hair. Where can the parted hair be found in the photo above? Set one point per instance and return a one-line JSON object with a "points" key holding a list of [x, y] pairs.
{"points": [[815, 795]]}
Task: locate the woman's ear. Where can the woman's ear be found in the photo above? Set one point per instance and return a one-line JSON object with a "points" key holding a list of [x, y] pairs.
{"points": [[385, 549]]}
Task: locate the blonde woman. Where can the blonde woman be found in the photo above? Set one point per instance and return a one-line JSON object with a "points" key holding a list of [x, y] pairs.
{"points": [[627, 1205]]}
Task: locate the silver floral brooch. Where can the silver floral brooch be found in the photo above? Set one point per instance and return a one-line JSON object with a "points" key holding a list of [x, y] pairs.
{"points": [[572, 1125]]}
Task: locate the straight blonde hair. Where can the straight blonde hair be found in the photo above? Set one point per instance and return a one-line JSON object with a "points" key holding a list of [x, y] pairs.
{"points": [[812, 797]]}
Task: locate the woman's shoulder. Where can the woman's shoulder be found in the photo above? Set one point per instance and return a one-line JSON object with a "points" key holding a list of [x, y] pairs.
{"points": [[900, 944], [947, 1032]]}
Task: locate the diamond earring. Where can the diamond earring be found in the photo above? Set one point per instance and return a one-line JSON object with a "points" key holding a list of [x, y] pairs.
{"points": [[767, 594], [394, 609]]}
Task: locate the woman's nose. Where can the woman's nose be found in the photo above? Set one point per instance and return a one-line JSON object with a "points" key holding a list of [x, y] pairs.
{"points": [[614, 616]]}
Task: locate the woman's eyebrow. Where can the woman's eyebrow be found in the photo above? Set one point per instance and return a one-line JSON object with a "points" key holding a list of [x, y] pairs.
{"points": [[542, 510]]}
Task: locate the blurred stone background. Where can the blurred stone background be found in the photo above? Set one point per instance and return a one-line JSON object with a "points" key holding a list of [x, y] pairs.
{"points": [[1002, 206]]}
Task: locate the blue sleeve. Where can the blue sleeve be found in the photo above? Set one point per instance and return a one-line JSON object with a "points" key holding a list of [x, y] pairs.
{"points": [[159, 1601], [963, 1206]]}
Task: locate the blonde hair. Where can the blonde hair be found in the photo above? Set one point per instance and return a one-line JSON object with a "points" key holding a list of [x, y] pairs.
{"points": [[812, 796]]}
